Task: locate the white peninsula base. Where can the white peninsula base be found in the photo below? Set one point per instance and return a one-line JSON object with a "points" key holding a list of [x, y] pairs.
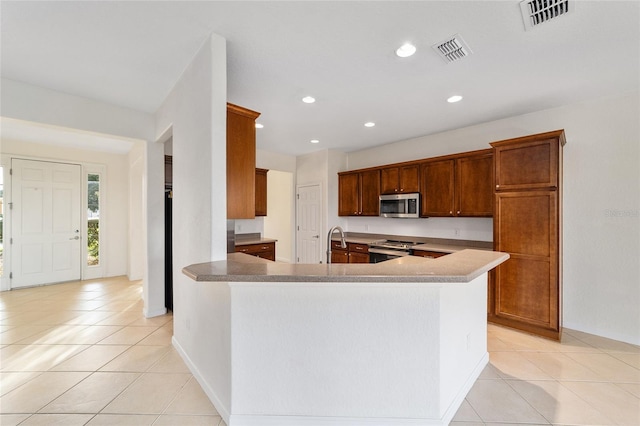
{"points": [[341, 353]]}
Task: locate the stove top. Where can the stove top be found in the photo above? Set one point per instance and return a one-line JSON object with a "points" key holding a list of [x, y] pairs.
{"points": [[396, 245]]}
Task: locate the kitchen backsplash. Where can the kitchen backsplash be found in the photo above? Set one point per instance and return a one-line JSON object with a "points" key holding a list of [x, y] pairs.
{"points": [[459, 228], [250, 226]]}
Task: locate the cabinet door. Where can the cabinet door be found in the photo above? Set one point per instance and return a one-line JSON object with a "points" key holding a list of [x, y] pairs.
{"points": [[241, 162], [474, 186], [261, 192], [526, 164], [370, 193], [410, 178], [339, 256], [437, 183], [527, 286], [358, 257], [404, 179], [428, 254], [389, 180], [348, 194]]}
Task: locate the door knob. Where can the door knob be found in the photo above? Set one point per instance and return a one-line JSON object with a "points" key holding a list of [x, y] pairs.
{"points": [[316, 236], [75, 238]]}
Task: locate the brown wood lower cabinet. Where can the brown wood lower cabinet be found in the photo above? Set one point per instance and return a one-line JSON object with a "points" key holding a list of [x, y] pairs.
{"points": [[262, 250], [339, 254], [358, 253], [354, 253], [428, 253]]}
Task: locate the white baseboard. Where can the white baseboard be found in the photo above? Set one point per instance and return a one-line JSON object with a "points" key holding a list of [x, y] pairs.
{"points": [[239, 420], [220, 407], [155, 313], [462, 394]]}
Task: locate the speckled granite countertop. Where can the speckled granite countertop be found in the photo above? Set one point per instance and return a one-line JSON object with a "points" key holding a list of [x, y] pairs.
{"points": [[253, 238], [258, 240], [421, 243], [459, 267]]}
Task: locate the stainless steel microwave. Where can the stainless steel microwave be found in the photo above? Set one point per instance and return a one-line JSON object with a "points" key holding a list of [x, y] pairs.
{"points": [[400, 205]]}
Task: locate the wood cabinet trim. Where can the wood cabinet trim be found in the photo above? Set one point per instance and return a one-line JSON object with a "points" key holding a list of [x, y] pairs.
{"points": [[419, 162], [246, 112]]}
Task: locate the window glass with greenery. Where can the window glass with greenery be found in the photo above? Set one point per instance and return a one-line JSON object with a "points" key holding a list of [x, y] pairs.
{"points": [[93, 219]]}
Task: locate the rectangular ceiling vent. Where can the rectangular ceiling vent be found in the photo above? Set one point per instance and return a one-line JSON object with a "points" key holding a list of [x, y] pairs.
{"points": [[535, 12], [452, 49]]}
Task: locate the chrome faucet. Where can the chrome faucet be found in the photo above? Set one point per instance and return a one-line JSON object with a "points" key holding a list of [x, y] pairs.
{"points": [[343, 243]]}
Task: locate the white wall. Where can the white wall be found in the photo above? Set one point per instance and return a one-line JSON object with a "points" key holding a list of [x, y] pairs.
{"points": [[280, 220], [195, 111], [136, 241], [43, 106], [115, 221], [322, 167], [25, 102], [280, 204], [601, 203]]}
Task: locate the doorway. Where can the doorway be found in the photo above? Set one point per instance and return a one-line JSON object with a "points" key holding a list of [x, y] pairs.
{"points": [[45, 222]]}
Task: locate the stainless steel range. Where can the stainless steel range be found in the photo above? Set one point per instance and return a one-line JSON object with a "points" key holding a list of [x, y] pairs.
{"points": [[380, 251]]}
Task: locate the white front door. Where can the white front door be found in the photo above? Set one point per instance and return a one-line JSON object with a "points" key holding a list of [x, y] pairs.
{"points": [[46, 218], [309, 218]]}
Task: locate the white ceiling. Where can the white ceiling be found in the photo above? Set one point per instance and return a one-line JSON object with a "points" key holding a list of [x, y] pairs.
{"points": [[342, 53]]}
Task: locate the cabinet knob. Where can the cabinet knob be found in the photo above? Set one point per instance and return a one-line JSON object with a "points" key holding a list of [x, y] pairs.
{"points": [[458, 212], [497, 186], [451, 212], [401, 189]]}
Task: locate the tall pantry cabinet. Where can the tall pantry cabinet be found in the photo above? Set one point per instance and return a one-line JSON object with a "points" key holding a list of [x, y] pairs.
{"points": [[526, 293]]}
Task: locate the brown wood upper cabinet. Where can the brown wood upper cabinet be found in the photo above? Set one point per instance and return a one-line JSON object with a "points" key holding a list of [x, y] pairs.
{"points": [[261, 192], [402, 179], [458, 185], [358, 193], [241, 162], [527, 224], [526, 163]]}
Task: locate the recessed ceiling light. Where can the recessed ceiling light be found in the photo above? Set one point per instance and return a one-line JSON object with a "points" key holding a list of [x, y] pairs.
{"points": [[455, 98], [406, 50], [315, 141], [369, 124], [308, 99], [259, 126]]}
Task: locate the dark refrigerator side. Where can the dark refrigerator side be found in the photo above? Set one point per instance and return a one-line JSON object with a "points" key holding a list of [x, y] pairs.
{"points": [[168, 252]]}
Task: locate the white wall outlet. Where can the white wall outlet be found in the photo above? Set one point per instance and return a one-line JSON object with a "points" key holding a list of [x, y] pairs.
{"points": [[456, 232], [366, 227]]}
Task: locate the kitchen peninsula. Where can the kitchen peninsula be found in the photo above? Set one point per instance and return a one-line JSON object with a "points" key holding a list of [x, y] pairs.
{"points": [[398, 342]]}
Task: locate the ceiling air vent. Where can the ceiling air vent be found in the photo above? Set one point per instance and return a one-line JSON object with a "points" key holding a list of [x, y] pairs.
{"points": [[452, 49], [535, 12]]}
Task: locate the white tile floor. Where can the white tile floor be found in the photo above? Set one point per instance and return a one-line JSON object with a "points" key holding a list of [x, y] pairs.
{"points": [[82, 354]]}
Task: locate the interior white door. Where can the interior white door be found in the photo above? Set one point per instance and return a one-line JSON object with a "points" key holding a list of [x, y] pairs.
{"points": [[309, 218], [46, 218]]}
